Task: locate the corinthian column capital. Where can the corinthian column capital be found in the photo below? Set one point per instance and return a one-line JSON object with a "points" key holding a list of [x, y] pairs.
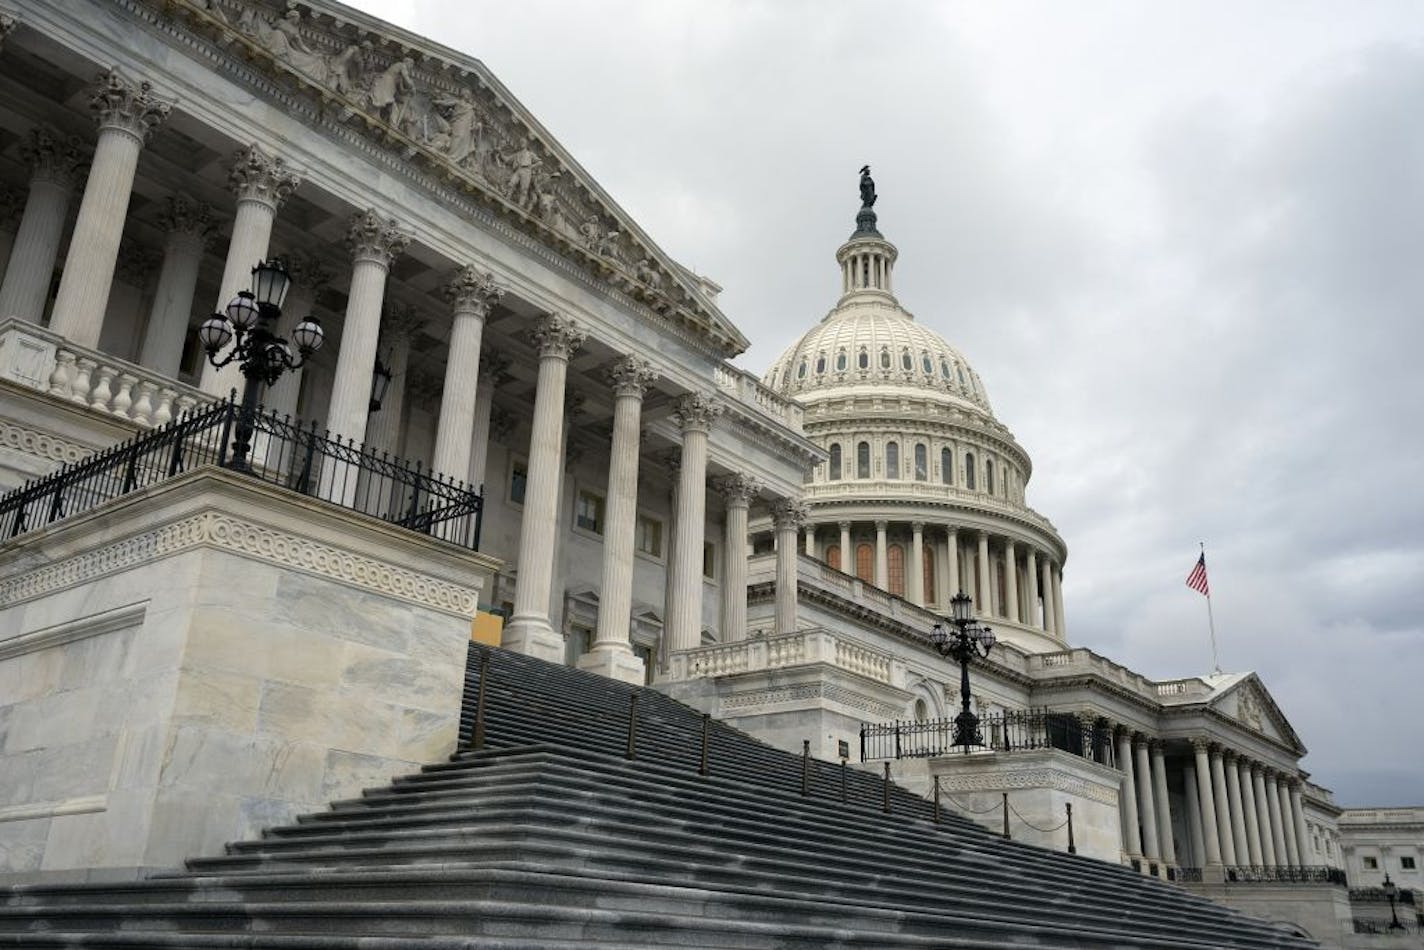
{"points": [[371, 237], [54, 157], [470, 291], [631, 376], [694, 412], [737, 489], [789, 513], [187, 217], [119, 103], [307, 270], [557, 335], [257, 176]]}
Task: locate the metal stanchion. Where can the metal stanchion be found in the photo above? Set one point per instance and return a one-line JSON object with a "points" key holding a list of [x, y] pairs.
{"points": [[886, 793], [936, 800], [632, 726], [1006, 814], [1072, 848], [706, 729], [805, 767], [477, 741]]}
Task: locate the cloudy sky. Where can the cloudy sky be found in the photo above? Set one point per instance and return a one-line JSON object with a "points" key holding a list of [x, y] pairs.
{"points": [[1183, 243]]}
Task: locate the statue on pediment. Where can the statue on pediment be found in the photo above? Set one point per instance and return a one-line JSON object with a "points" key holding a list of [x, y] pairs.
{"points": [[463, 125], [647, 274], [522, 162], [343, 71], [391, 91]]}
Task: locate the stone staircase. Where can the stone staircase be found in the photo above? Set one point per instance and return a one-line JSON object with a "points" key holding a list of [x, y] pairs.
{"points": [[549, 837]]}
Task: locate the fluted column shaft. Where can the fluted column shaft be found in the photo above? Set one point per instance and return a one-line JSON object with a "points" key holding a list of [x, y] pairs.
{"points": [[615, 601], [187, 224], [1046, 589], [1263, 816], [127, 113], [1297, 807], [915, 583], [1147, 807], [1236, 809], [1249, 812], [787, 515], [1059, 627], [1194, 821], [1127, 792], [529, 630], [1287, 826], [1164, 804], [984, 600], [1034, 618], [30, 271], [882, 556], [386, 426], [472, 294], [695, 413], [847, 551], [1207, 800], [309, 276], [737, 491], [1011, 580], [1223, 808], [1273, 808], [810, 540]]}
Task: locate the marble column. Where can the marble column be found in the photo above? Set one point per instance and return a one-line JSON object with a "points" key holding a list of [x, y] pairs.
{"points": [[670, 460], [374, 244], [944, 589], [494, 372], [847, 551], [915, 583], [471, 295], [1207, 801], [787, 516], [1273, 809], [1060, 629], [1236, 808], [984, 599], [261, 183], [127, 113], [1248, 812], [1263, 815], [737, 492], [810, 540], [1223, 807], [1146, 807], [1297, 808], [56, 165], [1194, 821], [1127, 794], [529, 630], [386, 426], [1033, 618], [309, 275], [1164, 804], [1011, 580], [1287, 825], [188, 224], [612, 651], [1046, 592], [695, 414], [882, 556], [952, 543]]}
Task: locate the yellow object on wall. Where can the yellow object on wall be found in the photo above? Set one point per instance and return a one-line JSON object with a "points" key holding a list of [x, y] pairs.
{"points": [[486, 628]]}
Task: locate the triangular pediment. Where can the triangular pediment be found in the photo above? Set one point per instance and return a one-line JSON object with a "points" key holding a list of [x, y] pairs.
{"points": [[448, 113], [1247, 701]]}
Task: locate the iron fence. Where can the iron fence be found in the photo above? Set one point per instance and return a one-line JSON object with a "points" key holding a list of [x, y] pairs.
{"points": [[1373, 895], [303, 459], [1008, 731], [1281, 874]]}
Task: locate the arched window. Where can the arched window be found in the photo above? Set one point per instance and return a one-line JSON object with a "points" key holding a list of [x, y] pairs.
{"points": [[969, 470], [865, 562], [922, 462], [927, 363], [907, 363], [946, 466], [884, 358], [929, 580], [895, 560], [820, 363], [840, 361], [989, 476], [862, 460], [922, 710], [892, 459], [944, 368], [833, 556], [801, 370], [961, 377], [863, 358], [835, 472]]}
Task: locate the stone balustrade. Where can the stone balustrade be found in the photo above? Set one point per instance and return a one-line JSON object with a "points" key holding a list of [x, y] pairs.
{"points": [[46, 362], [748, 390], [784, 650], [1083, 661], [911, 489]]}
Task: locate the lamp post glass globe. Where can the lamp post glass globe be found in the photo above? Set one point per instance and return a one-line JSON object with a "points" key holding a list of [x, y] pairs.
{"points": [[308, 335], [215, 333], [270, 283], [242, 311]]}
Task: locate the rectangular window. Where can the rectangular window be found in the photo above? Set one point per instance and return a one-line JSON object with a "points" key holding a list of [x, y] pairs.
{"points": [[648, 536], [709, 561], [1371, 864], [1406, 864], [518, 481], [589, 512]]}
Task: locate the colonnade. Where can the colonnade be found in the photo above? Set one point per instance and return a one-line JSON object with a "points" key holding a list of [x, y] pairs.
{"points": [[1238, 811], [1006, 577], [128, 112]]}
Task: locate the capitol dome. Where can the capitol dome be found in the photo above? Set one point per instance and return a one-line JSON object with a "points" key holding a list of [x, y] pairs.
{"points": [[923, 491]]}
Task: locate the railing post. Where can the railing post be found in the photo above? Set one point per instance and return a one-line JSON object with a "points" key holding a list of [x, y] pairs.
{"points": [[131, 469], [885, 791], [936, 799], [478, 740], [227, 428], [1072, 848], [843, 781], [897, 738], [805, 767], [632, 726], [862, 742], [1006, 814], [304, 478], [706, 730]]}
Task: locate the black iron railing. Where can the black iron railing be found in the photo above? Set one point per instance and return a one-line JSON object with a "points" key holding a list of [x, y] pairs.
{"points": [[1386, 927], [1009, 731], [1378, 895], [1281, 874], [303, 459]]}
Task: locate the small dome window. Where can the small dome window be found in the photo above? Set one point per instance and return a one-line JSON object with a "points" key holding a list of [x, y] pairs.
{"points": [[840, 361], [907, 362], [884, 358], [863, 360], [820, 364], [801, 370], [927, 363], [962, 383], [944, 368]]}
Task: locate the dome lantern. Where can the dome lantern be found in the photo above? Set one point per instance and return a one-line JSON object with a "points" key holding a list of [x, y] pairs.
{"points": [[866, 259]]}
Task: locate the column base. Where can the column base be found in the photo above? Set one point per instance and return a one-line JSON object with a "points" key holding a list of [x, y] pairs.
{"points": [[533, 636], [615, 661]]}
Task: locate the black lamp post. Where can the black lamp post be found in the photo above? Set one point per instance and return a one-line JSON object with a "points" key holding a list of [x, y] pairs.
{"points": [[1390, 890], [251, 318], [964, 641]]}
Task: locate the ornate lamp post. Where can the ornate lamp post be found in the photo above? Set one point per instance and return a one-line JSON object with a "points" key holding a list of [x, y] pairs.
{"points": [[251, 318], [964, 641], [1390, 890]]}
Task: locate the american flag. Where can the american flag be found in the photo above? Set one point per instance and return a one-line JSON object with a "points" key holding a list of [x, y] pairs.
{"points": [[1196, 580]]}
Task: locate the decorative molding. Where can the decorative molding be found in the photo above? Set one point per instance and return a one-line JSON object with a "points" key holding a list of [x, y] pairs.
{"points": [[84, 805], [261, 542], [811, 691], [110, 621], [1042, 777], [41, 444]]}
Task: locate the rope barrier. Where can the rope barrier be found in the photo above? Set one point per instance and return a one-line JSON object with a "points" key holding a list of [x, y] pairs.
{"points": [[1045, 831]]}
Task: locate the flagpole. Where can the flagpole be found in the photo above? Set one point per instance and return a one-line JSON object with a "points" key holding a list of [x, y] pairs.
{"points": [[1211, 621]]}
